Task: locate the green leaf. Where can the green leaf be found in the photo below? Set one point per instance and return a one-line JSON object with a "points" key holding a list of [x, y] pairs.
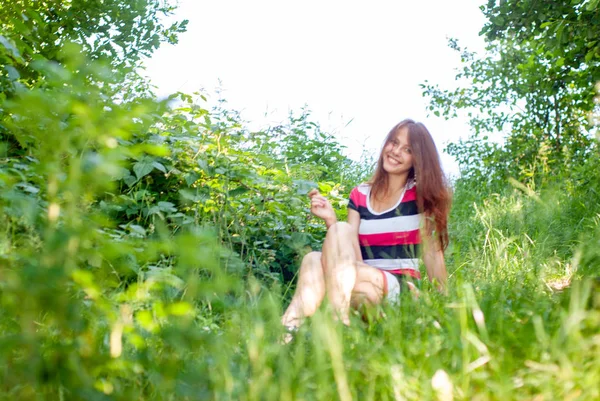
{"points": [[499, 21], [135, 229], [191, 178], [590, 55], [167, 207], [10, 46], [180, 309], [28, 188], [160, 167], [193, 196], [592, 5], [151, 210], [238, 191], [155, 150], [303, 187], [204, 166], [143, 168], [13, 74], [146, 320], [130, 180]]}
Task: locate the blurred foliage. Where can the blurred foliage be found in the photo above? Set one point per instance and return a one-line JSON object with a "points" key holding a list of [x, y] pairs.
{"points": [[129, 225], [145, 245]]}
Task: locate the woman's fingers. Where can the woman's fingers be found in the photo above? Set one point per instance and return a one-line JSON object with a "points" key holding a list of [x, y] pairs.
{"points": [[319, 198], [313, 192], [413, 289], [316, 199], [322, 202], [319, 205]]}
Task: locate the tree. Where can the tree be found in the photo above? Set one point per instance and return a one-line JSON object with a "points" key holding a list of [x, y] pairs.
{"points": [[116, 33], [567, 31], [119, 32], [535, 83]]}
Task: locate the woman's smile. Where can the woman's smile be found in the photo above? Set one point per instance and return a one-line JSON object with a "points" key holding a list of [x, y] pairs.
{"points": [[393, 160]]}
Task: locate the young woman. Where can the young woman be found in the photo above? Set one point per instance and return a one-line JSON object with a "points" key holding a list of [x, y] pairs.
{"points": [[401, 213]]}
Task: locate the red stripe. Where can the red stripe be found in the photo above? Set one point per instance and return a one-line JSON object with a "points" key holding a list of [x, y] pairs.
{"points": [[408, 272], [398, 238], [385, 283], [410, 195], [359, 198]]}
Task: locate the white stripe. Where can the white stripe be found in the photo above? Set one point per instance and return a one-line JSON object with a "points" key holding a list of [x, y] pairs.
{"points": [[364, 189], [393, 264], [391, 225], [393, 288]]}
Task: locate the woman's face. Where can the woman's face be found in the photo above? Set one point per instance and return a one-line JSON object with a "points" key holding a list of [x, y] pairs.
{"points": [[397, 153]]}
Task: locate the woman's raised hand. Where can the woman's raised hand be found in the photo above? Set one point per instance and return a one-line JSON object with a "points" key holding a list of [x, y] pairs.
{"points": [[320, 207]]}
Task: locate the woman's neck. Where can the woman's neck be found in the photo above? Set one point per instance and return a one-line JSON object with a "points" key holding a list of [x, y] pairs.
{"points": [[396, 183]]}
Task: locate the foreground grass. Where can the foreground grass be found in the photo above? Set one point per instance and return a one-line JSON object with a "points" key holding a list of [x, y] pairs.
{"points": [[519, 323], [500, 340]]}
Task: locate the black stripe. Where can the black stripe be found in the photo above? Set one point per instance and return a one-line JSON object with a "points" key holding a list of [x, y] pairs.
{"points": [[404, 209], [351, 205], [411, 251]]}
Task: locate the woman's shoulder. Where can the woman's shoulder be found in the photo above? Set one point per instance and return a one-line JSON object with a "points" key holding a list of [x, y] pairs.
{"points": [[358, 196], [361, 188]]}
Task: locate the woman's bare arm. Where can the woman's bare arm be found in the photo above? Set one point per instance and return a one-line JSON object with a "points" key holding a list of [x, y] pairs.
{"points": [[433, 257]]}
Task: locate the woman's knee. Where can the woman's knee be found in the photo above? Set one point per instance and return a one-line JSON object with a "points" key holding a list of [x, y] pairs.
{"points": [[311, 260], [340, 229], [340, 225], [311, 273]]}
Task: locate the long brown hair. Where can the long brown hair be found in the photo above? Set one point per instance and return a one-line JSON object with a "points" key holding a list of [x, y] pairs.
{"points": [[433, 193]]}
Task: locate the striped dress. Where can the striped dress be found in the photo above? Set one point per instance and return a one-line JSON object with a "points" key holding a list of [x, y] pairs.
{"points": [[389, 240]]}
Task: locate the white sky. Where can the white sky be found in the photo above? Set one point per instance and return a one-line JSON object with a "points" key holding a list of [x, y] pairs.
{"points": [[346, 60]]}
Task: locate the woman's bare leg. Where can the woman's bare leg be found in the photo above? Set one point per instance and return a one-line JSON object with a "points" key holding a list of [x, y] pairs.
{"points": [[339, 264], [337, 272], [310, 291], [370, 287]]}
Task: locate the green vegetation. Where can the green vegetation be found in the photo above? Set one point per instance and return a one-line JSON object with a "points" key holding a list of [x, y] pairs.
{"points": [[148, 248]]}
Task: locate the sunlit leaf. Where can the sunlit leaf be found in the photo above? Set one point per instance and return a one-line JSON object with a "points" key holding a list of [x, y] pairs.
{"points": [[180, 309]]}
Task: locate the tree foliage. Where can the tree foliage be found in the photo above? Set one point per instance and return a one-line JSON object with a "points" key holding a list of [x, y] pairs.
{"points": [[567, 32], [532, 92], [128, 224], [121, 33], [114, 33]]}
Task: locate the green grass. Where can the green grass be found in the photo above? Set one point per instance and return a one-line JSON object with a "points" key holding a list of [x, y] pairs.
{"points": [[506, 331], [504, 339]]}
